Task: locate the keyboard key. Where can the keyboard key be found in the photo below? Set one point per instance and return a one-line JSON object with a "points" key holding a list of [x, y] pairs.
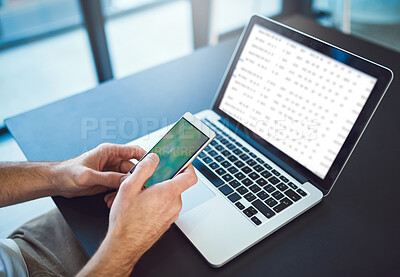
{"points": [[271, 202], [250, 197], [227, 177], [240, 175], [262, 182], [242, 190], [245, 149], [302, 192], [220, 171], [292, 195], [225, 189], [231, 138], [224, 141], [254, 188], [260, 160], [208, 148], [282, 186], [207, 160], [233, 169], [214, 179], [262, 195], [277, 194], [284, 179], [266, 174], [267, 212], [246, 169], [252, 210], [230, 146], [244, 157], [251, 162], [252, 155], [258, 168], [293, 186], [219, 137], [269, 188], [239, 164], [238, 151], [273, 180], [267, 166], [202, 155], [234, 183], [232, 158], [256, 220], [238, 144], [247, 213], [213, 165], [239, 205], [247, 182], [226, 164], [214, 143], [254, 176], [219, 147], [234, 197], [212, 153], [219, 158], [285, 202], [226, 153], [276, 172]]}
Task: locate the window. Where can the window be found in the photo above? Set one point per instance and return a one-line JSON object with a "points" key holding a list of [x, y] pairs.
{"points": [[44, 54]]}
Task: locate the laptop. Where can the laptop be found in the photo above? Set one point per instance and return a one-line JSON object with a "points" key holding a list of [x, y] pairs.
{"points": [[288, 113]]}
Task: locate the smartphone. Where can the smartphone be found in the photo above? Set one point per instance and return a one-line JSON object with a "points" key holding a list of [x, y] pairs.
{"points": [[179, 147]]}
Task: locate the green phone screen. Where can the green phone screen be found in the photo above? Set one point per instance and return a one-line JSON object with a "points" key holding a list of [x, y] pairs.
{"points": [[175, 149]]}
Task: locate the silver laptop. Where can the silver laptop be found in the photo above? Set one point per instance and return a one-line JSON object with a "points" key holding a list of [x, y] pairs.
{"points": [[289, 112]]}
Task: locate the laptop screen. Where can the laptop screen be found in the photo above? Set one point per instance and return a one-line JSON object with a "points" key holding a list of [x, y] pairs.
{"points": [[299, 100]]}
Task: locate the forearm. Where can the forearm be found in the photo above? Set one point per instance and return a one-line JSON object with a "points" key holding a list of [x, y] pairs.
{"points": [[21, 182]]}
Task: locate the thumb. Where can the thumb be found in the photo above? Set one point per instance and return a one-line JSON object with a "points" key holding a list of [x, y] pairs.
{"points": [[143, 171], [108, 179]]}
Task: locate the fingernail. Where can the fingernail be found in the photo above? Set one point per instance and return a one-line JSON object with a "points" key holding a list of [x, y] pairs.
{"points": [[153, 157]]}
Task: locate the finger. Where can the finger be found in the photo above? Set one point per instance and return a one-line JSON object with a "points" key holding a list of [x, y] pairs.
{"points": [[124, 152], [108, 179], [109, 196], [110, 202], [125, 166], [182, 181], [143, 172]]}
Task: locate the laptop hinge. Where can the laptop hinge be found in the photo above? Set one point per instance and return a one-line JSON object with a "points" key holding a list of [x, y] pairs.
{"points": [[299, 177]]}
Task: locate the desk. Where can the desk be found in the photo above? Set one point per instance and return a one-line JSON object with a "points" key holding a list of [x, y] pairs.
{"points": [[353, 232]]}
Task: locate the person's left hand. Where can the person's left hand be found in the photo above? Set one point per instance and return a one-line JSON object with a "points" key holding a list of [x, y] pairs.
{"points": [[98, 170]]}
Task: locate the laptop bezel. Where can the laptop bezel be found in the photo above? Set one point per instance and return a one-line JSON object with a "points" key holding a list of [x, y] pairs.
{"points": [[383, 75]]}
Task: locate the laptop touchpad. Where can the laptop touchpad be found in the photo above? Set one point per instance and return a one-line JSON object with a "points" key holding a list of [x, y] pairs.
{"points": [[195, 196]]}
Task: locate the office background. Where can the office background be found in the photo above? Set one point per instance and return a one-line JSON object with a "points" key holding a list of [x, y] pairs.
{"points": [[50, 49]]}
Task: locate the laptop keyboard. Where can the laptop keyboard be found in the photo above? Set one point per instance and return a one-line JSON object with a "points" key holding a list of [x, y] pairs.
{"points": [[249, 183]]}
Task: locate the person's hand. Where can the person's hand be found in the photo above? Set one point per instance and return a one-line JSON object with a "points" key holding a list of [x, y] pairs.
{"points": [[138, 218], [97, 170]]}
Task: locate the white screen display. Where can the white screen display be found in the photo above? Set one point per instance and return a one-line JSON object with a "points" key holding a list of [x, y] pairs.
{"points": [[299, 100]]}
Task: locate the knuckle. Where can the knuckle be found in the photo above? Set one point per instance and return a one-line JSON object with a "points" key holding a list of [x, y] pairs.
{"points": [[84, 177], [194, 178]]}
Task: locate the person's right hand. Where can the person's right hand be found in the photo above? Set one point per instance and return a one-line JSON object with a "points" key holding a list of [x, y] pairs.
{"points": [[138, 217]]}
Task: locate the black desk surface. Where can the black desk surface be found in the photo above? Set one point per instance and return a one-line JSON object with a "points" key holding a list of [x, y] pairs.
{"points": [[353, 232]]}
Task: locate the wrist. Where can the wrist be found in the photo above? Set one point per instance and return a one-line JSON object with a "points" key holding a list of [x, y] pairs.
{"points": [[114, 257], [119, 241], [57, 178]]}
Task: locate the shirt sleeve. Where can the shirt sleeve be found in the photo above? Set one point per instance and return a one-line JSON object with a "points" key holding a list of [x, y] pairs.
{"points": [[11, 261]]}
